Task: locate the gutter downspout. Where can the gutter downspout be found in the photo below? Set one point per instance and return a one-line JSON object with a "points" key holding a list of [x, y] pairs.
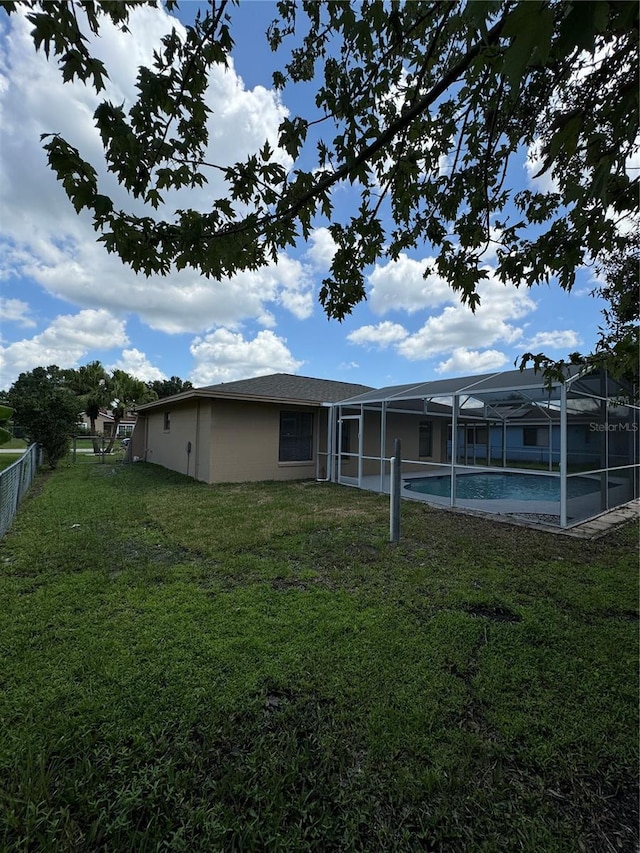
{"points": [[146, 438]]}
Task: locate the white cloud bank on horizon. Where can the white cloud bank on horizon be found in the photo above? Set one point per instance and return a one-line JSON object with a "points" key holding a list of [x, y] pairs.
{"points": [[65, 343]]}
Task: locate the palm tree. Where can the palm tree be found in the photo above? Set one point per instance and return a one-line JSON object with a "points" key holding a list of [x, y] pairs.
{"points": [[91, 383], [126, 393]]}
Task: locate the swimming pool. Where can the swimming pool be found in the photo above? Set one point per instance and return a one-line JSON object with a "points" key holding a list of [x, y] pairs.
{"points": [[502, 486]]}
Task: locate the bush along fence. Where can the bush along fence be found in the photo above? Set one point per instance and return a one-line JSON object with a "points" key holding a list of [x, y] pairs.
{"points": [[15, 482]]}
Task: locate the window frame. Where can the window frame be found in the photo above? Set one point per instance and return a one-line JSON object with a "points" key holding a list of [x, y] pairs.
{"points": [[425, 427], [300, 437]]}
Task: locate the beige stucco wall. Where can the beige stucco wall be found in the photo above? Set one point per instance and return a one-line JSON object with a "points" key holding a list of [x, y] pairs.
{"points": [[245, 443], [231, 441], [189, 422], [407, 428]]}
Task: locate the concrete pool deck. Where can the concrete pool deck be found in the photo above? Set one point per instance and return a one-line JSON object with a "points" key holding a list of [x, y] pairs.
{"points": [[605, 523]]}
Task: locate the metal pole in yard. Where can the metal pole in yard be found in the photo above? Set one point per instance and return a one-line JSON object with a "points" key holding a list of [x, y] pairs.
{"points": [[396, 473]]}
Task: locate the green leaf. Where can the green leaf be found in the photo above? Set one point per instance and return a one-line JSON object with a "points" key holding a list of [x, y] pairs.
{"points": [[530, 27]]}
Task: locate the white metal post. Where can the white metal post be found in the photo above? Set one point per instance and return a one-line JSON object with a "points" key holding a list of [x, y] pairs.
{"points": [[395, 489], [360, 443], [454, 448], [563, 455], [383, 441]]}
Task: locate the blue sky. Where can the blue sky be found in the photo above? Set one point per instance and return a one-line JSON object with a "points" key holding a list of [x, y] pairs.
{"points": [[66, 302]]}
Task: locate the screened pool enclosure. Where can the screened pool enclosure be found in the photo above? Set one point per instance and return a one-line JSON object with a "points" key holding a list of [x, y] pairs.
{"points": [[502, 443]]}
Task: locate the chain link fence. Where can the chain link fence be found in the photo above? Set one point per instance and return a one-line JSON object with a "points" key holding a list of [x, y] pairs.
{"points": [[15, 482]]}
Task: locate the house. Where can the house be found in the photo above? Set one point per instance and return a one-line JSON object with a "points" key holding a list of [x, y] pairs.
{"points": [[105, 422], [575, 440], [271, 427]]}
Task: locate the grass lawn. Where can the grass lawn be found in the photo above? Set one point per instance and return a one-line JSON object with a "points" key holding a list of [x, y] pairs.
{"points": [[15, 444], [7, 459], [254, 667]]}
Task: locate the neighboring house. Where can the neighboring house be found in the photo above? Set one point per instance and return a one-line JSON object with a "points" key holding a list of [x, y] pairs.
{"points": [[273, 427], [105, 422]]}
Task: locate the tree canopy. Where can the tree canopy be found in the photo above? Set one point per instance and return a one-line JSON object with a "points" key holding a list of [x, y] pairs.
{"points": [[169, 387], [422, 107], [46, 409], [6, 413]]}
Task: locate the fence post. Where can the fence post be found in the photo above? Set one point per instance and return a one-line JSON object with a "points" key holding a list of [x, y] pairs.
{"points": [[396, 481]]}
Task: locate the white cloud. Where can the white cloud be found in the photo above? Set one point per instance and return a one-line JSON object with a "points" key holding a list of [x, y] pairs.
{"points": [[565, 339], [401, 285], [65, 342], [457, 330], [464, 361], [182, 302], [495, 240], [15, 311], [544, 183], [458, 325], [383, 335], [42, 238], [224, 355], [321, 248], [137, 364]]}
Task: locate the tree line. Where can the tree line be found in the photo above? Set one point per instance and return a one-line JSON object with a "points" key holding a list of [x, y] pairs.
{"points": [[48, 403]]}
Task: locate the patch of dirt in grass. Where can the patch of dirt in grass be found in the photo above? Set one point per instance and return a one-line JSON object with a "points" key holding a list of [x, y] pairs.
{"points": [[287, 583], [343, 512], [135, 552], [362, 553], [606, 809], [623, 615], [39, 483], [494, 612]]}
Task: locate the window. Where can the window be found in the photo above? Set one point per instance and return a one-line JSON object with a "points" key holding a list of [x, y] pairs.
{"points": [[425, 439], [167, 421], [296, 437], [530, 436]]}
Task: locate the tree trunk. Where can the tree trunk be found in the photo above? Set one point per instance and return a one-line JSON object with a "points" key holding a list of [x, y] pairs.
{"points": [[118, 414], [94, 437]]}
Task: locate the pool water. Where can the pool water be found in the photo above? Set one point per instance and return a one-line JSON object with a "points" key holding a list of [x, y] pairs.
{"points": [[502, 486]]}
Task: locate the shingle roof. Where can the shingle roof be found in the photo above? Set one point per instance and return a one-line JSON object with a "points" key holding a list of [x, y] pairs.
{"points": [[274, 387], [287, 386]]}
